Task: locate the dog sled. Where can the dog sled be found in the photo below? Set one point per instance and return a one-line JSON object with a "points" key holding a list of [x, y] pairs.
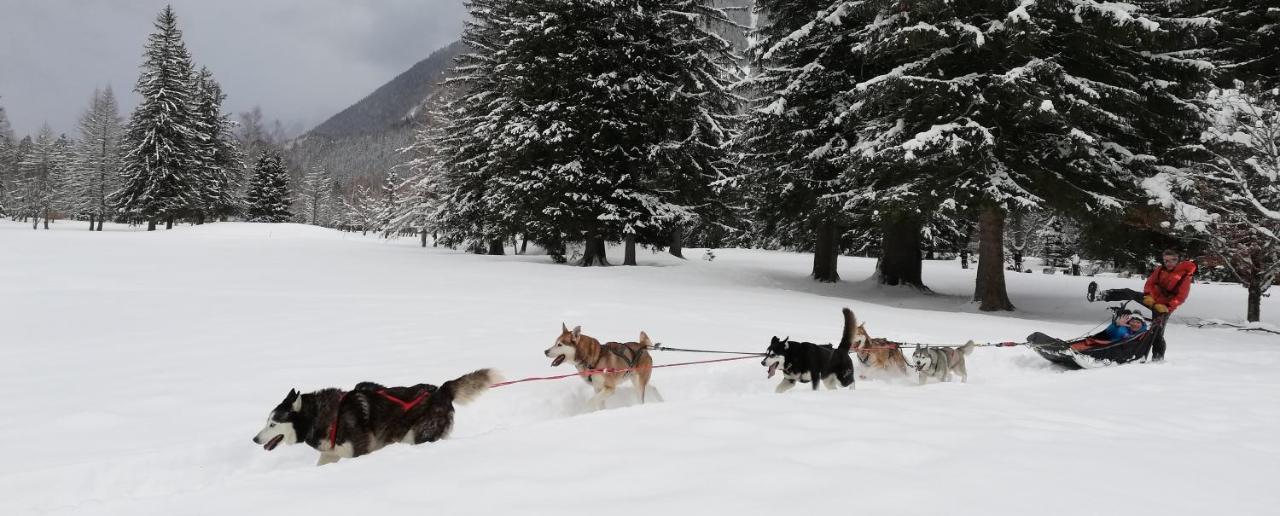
{"points": [[1094, 351]]}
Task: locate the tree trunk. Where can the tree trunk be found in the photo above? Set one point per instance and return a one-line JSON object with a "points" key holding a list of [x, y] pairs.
{"points": [[1255, 303], [35, 222], [594, 253], [677, 241], [199, 219], [826, 252], [101, 218], [515, 244], [990, 290], [629, 257], [168, 223], [424, 238], [900, 258], [46, 218], [964, 259], [92, 218], [496, 247], [151, 225], [524, 244]]}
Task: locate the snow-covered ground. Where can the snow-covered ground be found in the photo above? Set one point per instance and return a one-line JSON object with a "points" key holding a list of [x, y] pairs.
{"points": [[136, 367]]}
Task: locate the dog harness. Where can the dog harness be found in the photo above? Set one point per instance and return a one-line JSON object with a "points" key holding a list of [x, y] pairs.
{"points": [[405, 406]]}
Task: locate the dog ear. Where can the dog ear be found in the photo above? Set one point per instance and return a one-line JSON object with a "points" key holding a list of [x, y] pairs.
{"points": [[563, 328], [644, 338], [577, 331], [297, 404]]}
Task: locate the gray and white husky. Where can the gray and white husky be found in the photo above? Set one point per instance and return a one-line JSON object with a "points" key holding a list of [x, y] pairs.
{"points": [[939, 362], [343, 424]]}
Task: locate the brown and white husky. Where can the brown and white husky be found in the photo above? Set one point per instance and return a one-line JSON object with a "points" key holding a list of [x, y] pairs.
{"points": [[610, 363]]}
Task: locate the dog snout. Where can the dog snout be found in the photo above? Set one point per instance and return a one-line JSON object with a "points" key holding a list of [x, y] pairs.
{"points": [[255, 440]]}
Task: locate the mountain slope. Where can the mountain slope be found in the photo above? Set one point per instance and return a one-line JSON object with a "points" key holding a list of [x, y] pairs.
{"points": [[390, 105]]}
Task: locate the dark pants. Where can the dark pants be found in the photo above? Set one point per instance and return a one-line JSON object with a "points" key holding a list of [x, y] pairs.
{"points": [[1120, 294], [1157, 326]]}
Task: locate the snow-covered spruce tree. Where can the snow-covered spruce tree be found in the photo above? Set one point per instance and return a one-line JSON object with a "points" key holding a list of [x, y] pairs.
{"points": [[97, 158], [46, 177], [460, 147], [1227, 193], [267, 199], [692, 122], [581, 121], [425, 164], [982, 107], [314, 196], [787, 142], [219, 156], [391, 193], [361, 211], [8, 164], [161, 163]]}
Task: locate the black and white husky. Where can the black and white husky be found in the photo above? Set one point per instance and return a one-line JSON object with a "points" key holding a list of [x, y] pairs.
{"points": [[809, 362], [343, 424]]}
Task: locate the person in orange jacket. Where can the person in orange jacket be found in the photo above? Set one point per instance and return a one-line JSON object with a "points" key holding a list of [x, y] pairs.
{"points": [[1166, 288]]}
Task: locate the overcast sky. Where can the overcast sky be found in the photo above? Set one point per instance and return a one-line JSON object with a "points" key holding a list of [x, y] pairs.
{"points": [[300, 60]]}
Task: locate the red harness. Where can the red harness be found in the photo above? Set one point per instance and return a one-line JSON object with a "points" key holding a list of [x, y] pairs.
{"points": [[405, 406]]}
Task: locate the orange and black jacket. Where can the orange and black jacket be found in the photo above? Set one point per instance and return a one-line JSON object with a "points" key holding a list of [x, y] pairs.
{"points": [[1170, 287]]}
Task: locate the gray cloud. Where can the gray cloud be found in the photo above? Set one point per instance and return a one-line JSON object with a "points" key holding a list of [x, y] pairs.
{"points": [[301, 60]]}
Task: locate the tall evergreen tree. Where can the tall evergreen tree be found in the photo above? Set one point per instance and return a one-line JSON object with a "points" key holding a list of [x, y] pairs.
{"points": [[219, 158], [982, 107], [97, 158], [314, 197], [46, 177], [787, 141], [268, 197], [162, 160], [585, 120], [8, 163]]}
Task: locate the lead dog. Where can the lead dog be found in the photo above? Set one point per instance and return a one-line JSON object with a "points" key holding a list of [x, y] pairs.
{"points": [[939, 362], [344, 424], [809, 362], [611, 363]]}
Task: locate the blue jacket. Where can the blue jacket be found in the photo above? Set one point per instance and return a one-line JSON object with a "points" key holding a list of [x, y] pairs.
{"points": [[1116, 332]]}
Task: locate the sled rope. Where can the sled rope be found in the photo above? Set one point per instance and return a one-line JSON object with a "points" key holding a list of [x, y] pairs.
{"points": [[659, 347], [607, 370]]}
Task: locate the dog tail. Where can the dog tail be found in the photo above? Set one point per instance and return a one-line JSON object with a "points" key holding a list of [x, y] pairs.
{"points": [[967, 348], [465, 388], [846, 339]]}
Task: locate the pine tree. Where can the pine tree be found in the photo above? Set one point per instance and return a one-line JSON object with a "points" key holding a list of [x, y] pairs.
{"points": [[314, 197], [788, 141], [984, 107], [162, 164], [390, 201], [268, 197], [361, 211], [219, 158], [46, 177], [8, 164], [585, 120], [1227, 194], [97, 158]]}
